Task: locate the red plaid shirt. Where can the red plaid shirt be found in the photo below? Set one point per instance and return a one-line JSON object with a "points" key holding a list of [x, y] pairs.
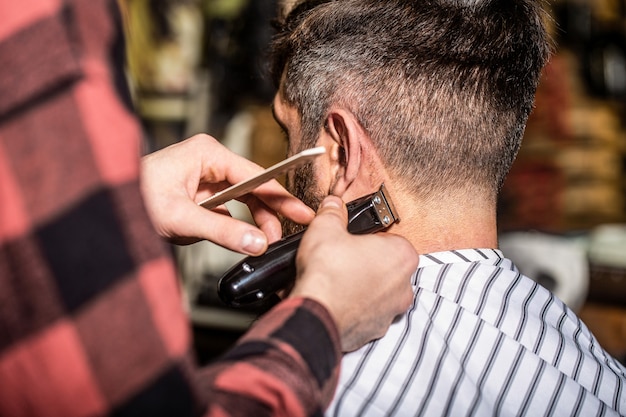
{"points": [[90, 315]]}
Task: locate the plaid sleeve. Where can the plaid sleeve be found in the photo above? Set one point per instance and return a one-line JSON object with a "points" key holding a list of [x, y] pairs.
{"points": [[91, 321], [287, 365], [90, 312]]}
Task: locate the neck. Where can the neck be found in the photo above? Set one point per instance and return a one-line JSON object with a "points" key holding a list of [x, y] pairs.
{"points": [[451, 222]]}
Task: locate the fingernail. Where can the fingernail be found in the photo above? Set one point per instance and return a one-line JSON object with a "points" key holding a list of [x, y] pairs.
{"points": [[253, 242]]}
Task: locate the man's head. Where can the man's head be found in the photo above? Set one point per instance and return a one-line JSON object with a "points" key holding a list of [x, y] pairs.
{"points": [[441, 88]]}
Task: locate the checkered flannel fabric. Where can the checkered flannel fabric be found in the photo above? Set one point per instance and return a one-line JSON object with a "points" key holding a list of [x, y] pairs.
{"points": [[90, 313]]}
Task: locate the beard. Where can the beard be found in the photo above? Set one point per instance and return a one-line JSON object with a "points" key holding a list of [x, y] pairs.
{"points": [[302, 185]]}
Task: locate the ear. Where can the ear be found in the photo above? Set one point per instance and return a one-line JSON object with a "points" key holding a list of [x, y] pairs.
{"points": [[344, 138]]}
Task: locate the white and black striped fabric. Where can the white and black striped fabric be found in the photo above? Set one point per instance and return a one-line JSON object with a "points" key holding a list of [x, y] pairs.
{"points": [[481, 340]]}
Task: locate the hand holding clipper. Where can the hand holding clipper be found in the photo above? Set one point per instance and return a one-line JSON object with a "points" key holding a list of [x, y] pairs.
{"points": [[254, 279]]}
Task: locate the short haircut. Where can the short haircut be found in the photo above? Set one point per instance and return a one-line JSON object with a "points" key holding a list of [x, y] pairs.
{"points": [[443, 87]]}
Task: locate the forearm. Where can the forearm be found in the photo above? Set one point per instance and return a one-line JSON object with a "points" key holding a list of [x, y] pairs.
{"points": [[287, 365]]}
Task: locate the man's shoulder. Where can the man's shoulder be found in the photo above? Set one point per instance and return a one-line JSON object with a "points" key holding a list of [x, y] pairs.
{"points": [[480, 336]]}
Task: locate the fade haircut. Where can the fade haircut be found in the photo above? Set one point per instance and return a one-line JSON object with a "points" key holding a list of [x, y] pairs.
{"points": [[443, 87]]}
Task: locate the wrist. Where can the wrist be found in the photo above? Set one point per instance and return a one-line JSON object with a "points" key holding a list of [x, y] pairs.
{"points": [[319, 298]]}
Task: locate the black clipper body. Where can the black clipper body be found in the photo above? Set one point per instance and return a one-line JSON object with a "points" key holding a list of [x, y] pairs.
{"points": [[256, 278]]}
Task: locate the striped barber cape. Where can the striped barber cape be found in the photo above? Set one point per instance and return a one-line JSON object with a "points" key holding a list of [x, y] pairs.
{"points": [[481, 339]]}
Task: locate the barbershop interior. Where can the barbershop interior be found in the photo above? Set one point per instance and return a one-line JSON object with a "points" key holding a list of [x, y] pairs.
{"points": [[198, 66]]}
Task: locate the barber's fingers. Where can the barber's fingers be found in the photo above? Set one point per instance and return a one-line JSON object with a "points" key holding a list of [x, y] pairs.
{"points": [[176, 178], [265, 216], [330, 224], [405, 262], [222, 166], [245, 238], [334, 266], [194, 221], [327, 232], [333, 209]]}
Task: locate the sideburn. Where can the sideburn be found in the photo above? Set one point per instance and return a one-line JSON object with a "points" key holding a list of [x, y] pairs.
{"points": [[304, 188]]}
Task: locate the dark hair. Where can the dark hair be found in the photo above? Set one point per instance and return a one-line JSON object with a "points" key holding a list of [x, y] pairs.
{"points": [[443, 87]]}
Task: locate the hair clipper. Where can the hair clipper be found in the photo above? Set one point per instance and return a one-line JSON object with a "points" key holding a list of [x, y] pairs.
{"points": [[256, 278]]}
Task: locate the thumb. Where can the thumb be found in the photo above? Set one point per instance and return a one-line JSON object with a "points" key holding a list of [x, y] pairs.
{"points": [[335, 207]]}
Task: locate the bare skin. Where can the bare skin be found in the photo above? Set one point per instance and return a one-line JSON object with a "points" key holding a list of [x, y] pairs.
{"points": [[176, 178], [333, 265], [351, 168]]}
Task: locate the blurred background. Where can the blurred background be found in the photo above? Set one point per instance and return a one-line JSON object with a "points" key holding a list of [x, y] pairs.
{"points": [[199, 66]]}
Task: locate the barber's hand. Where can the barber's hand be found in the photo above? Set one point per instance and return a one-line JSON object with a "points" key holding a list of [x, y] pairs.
{"points": [[363, 280], [176, 178]]}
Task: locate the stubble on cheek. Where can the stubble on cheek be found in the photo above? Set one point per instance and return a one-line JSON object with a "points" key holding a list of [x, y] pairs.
{"points": [[302, 185]]}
